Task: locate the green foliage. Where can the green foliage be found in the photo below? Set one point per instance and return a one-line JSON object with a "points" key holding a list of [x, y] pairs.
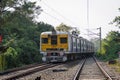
{"points": [[110, 46], [11, 58], [2, 62], [19, 8], [20, 32], [117, 20], [63, 27], [25, 41]]}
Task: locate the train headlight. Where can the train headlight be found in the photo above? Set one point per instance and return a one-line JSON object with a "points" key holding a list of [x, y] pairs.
{"points": [[44, 59], [64, 58], [61, 53], [45, 53], [65, 50]]}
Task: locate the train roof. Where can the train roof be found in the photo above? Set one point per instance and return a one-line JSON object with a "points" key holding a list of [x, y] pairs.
{"points": [[57, 32], [61, 32]]}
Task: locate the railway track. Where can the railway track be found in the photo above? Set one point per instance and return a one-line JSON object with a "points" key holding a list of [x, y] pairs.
{"points": [[24, 71], [91, 70], [20, 68], [87, 69]]}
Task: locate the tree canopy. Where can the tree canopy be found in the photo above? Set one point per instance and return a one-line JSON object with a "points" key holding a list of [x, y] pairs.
{"points": [[63, 27], [19, 8], [110, 46], [21, 33], [117, 20]]}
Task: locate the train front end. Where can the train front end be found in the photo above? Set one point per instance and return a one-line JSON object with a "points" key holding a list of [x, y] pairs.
{"points": [[53, 46]]}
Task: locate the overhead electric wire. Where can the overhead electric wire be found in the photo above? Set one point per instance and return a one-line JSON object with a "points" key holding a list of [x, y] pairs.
{"points": [[52, 16], [68, 20], [59, 20], [59, 14]]}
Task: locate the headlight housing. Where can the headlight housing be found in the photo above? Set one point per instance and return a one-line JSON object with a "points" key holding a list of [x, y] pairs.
{"points": [[64, 58], [61, 53], [44, 59], [45, 53]]}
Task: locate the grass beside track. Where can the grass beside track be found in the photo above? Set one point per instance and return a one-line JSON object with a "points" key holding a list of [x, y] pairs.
{"points": [[116, 66]]}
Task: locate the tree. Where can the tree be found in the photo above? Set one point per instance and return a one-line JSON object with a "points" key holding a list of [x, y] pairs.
{"points": [[11, 56], [110, 46], [10, 8], [63, 27], [117, 20], [18, 29]]}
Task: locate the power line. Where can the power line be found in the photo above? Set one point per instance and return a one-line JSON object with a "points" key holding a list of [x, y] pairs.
{"points": [[52, 9], [59, 13], [52, 16]]}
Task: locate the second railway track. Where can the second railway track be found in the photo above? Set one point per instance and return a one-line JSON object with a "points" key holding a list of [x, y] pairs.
{"points": [[91, 70], [17, 73]]}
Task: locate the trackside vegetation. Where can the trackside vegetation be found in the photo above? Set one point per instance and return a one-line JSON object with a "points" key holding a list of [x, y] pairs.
{"points": [[20, 32], [111, 44]]}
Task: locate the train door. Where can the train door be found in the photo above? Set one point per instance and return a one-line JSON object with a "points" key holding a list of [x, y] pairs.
{"points": [[71, 43], [74, 44], [78, 45], [82, 46]]}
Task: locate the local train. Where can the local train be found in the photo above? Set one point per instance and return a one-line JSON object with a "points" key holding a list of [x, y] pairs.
{"points": [[58, 46]]}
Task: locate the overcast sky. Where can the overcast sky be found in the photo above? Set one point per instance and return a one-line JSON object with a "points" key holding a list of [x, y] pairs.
{"points": [[74, 13]]}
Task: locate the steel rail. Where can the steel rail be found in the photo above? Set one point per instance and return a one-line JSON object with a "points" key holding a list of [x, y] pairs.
{"points": [[14, 77], [20, 68], [77, 75], [102, 70]]}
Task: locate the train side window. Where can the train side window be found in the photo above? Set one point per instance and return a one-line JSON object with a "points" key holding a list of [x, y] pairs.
{"points": [[63, 40], [44, 40]]}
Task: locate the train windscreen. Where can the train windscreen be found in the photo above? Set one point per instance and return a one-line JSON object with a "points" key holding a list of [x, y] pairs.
{"points": [[44, 40], [54, 39]]}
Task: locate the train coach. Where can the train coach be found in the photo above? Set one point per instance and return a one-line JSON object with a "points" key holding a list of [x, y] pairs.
{"points": [[58, 46]]}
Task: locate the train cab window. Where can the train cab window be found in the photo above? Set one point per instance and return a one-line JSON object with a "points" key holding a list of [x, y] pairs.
{"points": [[54, 40], [44, 40], [63, 40]]}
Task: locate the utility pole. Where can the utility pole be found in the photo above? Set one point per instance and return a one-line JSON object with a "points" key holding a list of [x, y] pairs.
{"points": [[100, 39]]}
